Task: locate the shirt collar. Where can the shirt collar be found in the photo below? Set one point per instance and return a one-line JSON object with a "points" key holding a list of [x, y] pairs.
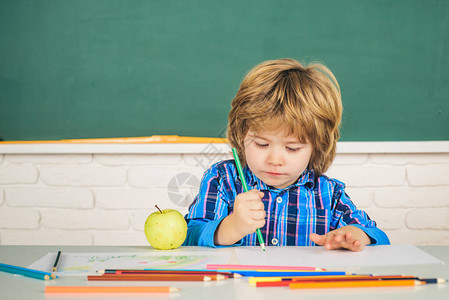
{"points": [[307, 178]]}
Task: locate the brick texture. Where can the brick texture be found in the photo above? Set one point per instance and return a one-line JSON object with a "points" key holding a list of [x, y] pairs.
{"points": [[429, 175], [83, 176], [46, 237], [18, 173], [49, 197], [366, 176], [76, 219], [12, 218], [428, 218]]}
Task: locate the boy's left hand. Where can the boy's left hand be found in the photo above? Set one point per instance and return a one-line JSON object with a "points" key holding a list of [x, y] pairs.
{"points": [[348, 237]]}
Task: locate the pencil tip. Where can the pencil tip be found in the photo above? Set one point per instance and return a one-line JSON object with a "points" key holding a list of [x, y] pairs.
{"points": [[263, 246], [174, 290]]}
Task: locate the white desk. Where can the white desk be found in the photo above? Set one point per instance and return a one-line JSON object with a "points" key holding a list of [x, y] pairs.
{"points": [[17, 287]]}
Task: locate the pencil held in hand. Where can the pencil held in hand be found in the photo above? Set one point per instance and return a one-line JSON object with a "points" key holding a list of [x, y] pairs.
{"points": [[245, 189]]}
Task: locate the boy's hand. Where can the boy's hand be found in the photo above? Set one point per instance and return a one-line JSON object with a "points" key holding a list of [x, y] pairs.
{"points": [[249, 212], [247, 216], [348, 237]]}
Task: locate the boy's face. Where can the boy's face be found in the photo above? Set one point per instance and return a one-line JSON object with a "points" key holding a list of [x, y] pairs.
{"points": [[276, 158]]}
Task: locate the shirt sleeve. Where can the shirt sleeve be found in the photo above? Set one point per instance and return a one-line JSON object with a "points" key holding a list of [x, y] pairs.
{"points": [[346, 213], [209, 208]]}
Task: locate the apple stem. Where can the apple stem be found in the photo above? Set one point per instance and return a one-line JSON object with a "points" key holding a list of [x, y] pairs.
{"points": [[158, 208]]}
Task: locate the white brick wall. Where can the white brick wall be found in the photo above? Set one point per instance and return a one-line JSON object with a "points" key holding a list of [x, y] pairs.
{"points": [[104, 199]]}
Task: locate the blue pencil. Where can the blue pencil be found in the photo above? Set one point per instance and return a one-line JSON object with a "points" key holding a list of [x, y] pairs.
{"points": [[285, 273], [26, 272]]}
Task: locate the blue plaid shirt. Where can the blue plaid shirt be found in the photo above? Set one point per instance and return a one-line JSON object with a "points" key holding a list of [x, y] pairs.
{"points": [[311, 205]]}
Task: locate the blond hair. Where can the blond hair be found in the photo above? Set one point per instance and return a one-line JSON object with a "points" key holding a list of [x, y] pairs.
{"points": [[305, 100]]}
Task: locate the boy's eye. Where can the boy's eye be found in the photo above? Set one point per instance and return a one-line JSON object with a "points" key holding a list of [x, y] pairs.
{"points": [[260, 145], [292, 149]]}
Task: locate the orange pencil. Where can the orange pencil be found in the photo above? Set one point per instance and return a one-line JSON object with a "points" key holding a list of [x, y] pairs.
{"points": [[353, 284], [149, 277], [110, 289]]}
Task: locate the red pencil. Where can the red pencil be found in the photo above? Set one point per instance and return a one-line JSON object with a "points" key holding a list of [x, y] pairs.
{"points": [[150, 277]]}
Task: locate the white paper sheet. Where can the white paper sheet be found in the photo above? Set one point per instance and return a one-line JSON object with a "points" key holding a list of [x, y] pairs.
{"points": [[383, 255], [89, 263]]}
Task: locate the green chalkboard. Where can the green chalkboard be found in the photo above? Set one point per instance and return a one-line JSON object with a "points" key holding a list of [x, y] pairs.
{"points": [[118, 68]]}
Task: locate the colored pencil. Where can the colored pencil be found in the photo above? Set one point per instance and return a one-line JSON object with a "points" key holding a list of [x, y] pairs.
{"points": [[286, 273], [114, 271], [110, 289], [175, 272], [169, 271], [26, 272], [382, 277], [287, 281], [255, 280], [272, 283], [374, 278], [149, 277], [56, 264], [245, 189], [353, 284], [260, 267]]}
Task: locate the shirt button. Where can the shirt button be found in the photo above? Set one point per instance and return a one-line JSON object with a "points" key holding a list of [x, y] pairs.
{"points": [[279, 199], [274, 241]]}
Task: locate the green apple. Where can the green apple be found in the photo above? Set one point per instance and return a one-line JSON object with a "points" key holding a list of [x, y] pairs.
{"points": [[165, 229]]}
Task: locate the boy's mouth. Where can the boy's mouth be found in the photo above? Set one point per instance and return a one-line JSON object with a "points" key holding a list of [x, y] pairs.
{"points": [[274, 174]]}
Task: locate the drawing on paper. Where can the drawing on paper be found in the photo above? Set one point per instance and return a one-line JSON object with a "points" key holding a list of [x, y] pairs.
{"points": [[89, 263]]}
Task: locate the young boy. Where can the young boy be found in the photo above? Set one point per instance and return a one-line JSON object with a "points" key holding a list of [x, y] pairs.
{"points": [[284, 123]]}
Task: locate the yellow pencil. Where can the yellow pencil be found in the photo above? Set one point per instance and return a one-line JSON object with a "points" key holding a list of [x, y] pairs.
{"points": [[353, 284]]}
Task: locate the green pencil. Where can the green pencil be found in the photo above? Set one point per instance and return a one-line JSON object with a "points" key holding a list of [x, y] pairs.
{"points": [[245, 188]]}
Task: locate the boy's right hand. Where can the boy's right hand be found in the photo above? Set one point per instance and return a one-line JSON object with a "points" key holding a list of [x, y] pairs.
{"points": [[248, 215], [249, 212]]}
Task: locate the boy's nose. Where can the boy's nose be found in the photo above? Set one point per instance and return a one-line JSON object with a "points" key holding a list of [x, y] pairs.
{"points": [[275, 158]]}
